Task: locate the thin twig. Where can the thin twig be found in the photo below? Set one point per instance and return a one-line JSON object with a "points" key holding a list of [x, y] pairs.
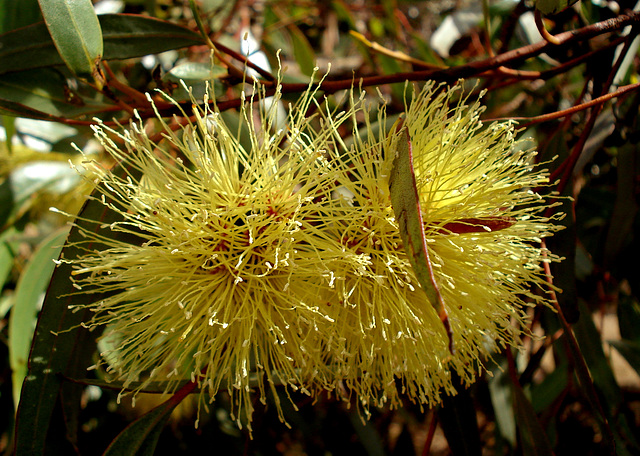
{"points": [[453, 74]]}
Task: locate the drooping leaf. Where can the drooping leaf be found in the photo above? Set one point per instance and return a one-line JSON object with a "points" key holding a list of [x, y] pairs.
{"points": [[367, 434], [406, 207], [14, 14], [141, 437], [590, 343], [9, 124], [625, 206], [76, 33], [630, 350], [302, 51], [563, 242], [533, 438], [502, 401], [457, 416], [31, 286], [7, 253], [629, 318], [553, 6], [125, 36], [42, 94], [18, 190], [544, 394], [61, 347]]}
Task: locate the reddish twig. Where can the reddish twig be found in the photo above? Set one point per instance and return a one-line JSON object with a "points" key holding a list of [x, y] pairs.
{"points": [[572, 110], [473, 69], [433, 424]]}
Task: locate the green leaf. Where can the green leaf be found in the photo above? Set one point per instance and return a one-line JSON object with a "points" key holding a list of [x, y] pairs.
{"points": [[141, 437], [544, 394], [533, 438], [29, 292], [590, 343], [6, 254], [196, 71], [302, 51], [15, 14], [389, 65], [367, 434], [19, 188], [61, 347], [344, 13], [406, 207], [199, 77], [42, 94], [599, 373], [9, 124], [502, 402], [128, 35], [620, 232], [553, 6], [125, 36], [630, 350], [75, 30], [563, 243], [629, 318]]}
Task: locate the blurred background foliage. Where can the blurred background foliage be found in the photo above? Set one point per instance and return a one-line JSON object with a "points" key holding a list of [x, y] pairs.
{"points": [[532, 401]]}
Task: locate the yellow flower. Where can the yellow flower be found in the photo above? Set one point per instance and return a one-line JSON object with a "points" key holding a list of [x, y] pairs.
{"points": [[282, 262], [483, 227], [223, 287]]}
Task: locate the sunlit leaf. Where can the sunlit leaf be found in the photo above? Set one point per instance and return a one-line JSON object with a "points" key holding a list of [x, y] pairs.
{"points": [[630, 350], [29, 294], [7, 253], [75, 30], [19, 189]]}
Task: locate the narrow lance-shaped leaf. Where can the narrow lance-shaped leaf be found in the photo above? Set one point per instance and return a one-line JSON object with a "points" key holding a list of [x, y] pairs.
{"points": [[75, 30], [60, 344], [141, 436], [406, 206], [553, 6], [32, 284], [124, 36], [533, 438]]}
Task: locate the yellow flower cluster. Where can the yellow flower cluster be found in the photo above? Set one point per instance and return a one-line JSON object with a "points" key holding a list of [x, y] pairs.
{"points": [[280, 262]]}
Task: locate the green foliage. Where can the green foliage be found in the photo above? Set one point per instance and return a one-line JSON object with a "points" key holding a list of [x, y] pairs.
{"points": [[75, 31]]}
